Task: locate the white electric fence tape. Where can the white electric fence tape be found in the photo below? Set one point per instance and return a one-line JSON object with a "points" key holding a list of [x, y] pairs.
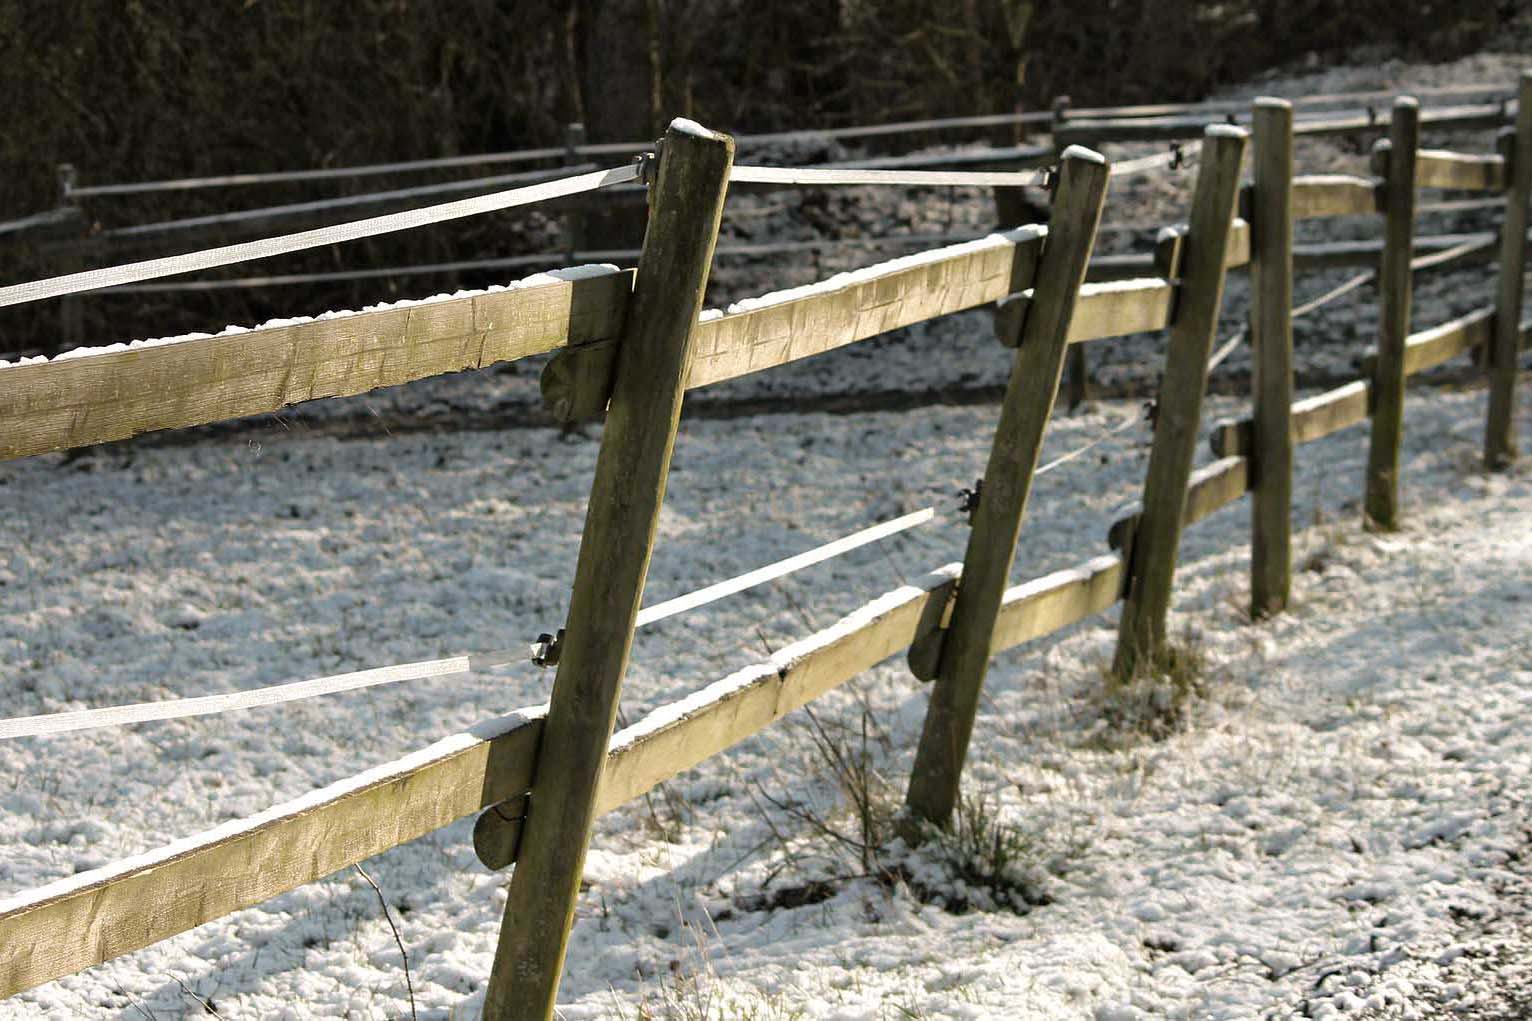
{"points": [[152, 269], [809, 175], [179, 708], [782, 568]]}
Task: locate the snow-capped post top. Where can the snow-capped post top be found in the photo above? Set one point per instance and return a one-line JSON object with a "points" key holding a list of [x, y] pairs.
{"points": [[553, 276], [1271, 102], [686, 126], [1080, 152], [649, 163], [1225, 131], [1378, 160], [1168, 246]]}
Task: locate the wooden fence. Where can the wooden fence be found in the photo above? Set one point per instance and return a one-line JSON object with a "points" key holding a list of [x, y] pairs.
{"points": [[70, 234], [627, 346]]}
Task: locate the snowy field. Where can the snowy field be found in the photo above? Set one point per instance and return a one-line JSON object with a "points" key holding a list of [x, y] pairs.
{"points": [[1338, 810], [1335, 826]]}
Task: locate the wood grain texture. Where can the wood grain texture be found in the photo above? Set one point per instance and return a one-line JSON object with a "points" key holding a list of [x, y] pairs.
{"points": [[1271, 320], [1313, 418], [1141, 632], [1211, 487], [95, 916], [996, 523], [1055, 601], [1500, 447], [1438, 168], [74, 402], [1117, 309], [1322, 195], [1076, 376], [622, 515], [1238, 253], [577, 382], [1430, 348], [1318, 416], [744, 342], [1395, 290]]}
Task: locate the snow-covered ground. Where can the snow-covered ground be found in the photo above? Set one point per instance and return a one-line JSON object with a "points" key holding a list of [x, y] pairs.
{"points": [[954, 356], [1333, 828], [1338, 811]]}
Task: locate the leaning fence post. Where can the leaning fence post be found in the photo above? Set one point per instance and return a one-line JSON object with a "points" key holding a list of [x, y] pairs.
{"points": [[1397, 159], [629, 486], [1024, 414], [1078, 365], [1500, 428], [1272, 336], [1152, 556]]}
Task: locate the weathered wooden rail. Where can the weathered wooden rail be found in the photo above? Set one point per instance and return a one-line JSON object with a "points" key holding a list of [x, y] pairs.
{"points": [[1033, 276]]}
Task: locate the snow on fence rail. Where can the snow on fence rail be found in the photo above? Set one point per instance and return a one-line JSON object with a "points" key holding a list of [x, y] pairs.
{"points": [[95, 395], [1035, 278]]}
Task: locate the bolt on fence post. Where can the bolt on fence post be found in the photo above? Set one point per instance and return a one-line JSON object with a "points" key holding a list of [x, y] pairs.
{"points": [[653, 360], [1500, 427], [1271, 273], [1024, 413], [1381, 504], [1152, 550]]}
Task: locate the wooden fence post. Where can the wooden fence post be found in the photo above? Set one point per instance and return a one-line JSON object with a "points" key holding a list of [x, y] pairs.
{"points": [[71, 313], [574, 216], [1272, 336], [1500, 428], [629, 486], [1013, 207], [1152, 550], [1381, 505], [1078, 365], [1024, 414]]}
